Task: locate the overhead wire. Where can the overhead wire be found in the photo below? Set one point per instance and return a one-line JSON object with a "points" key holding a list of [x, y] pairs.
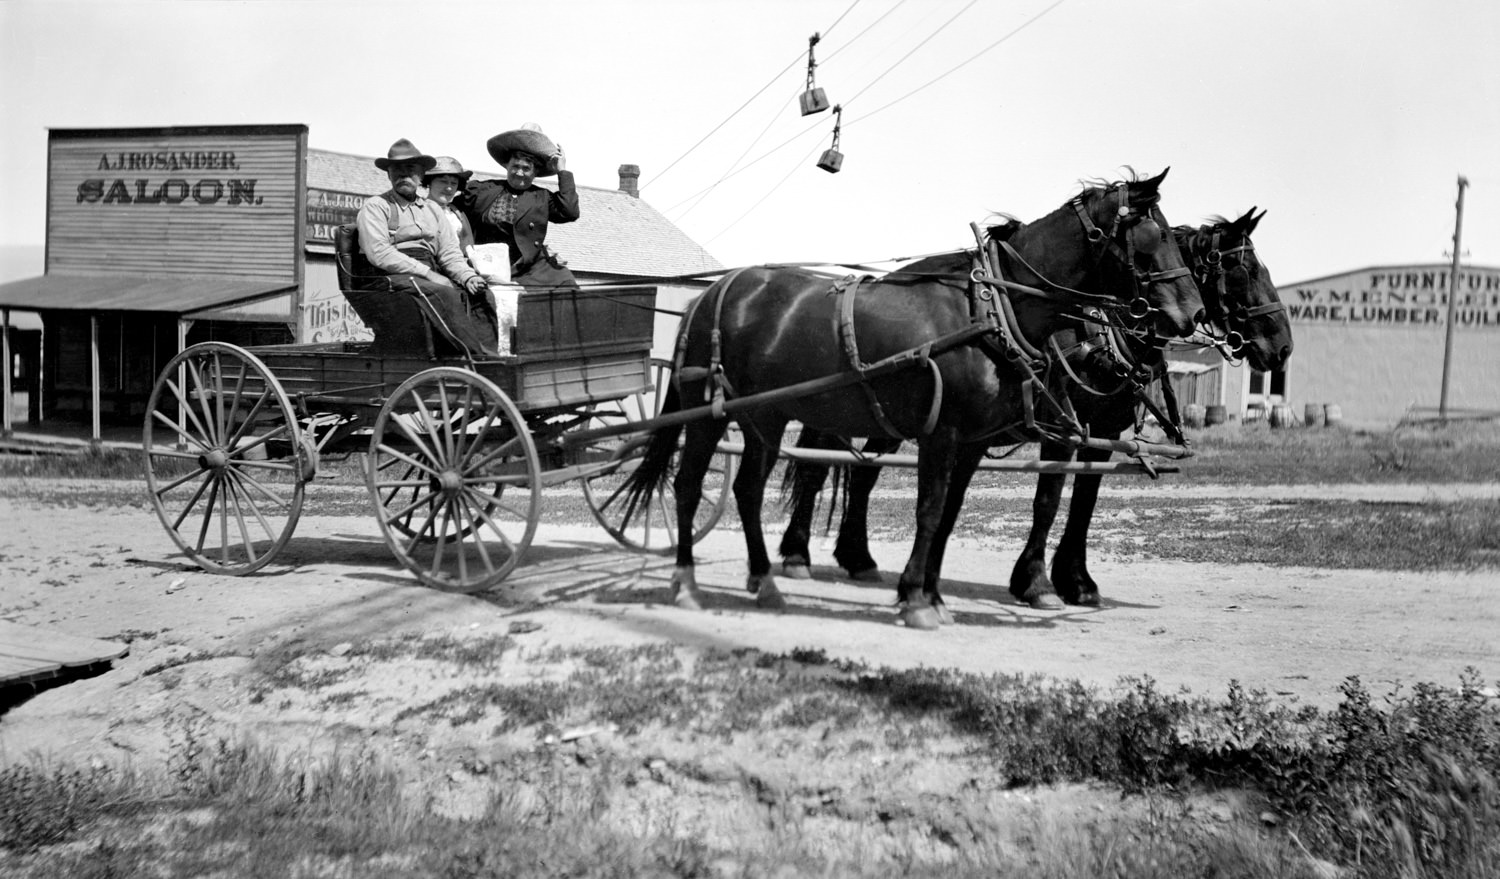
{"points": [[697, 197], [1028, 23], [784, 179], [748, 100]]}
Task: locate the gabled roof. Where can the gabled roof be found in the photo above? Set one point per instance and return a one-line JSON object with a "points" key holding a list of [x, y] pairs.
{"points": [[617, 234]]}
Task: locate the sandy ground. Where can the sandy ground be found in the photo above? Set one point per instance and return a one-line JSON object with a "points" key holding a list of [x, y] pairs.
{"points": [[1294, 632]]}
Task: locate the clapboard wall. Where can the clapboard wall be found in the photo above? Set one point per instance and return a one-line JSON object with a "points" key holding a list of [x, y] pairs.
{"points": [[217, 201]]}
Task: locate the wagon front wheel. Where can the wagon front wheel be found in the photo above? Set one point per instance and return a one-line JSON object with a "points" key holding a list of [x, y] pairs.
{"points": [[225, 460], [455, 479]]}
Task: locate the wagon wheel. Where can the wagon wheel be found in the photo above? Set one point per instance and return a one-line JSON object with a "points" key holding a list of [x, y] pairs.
{"points": [[653, 525], [225, 460], [460, 505]]}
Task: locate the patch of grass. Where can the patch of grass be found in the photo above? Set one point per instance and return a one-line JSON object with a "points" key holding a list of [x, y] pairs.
{"points": [[1404, 786], [1460, 535]]}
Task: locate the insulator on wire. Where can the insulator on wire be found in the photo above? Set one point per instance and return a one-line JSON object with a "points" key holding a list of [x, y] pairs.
{"points": [[813, 100], [832, 159]]}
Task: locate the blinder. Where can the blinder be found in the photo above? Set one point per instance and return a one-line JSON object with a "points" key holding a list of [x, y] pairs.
{"points": [[1146, 236]]}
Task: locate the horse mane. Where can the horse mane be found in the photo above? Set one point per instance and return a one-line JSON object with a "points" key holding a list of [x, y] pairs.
{"points": [[1094, 187]]}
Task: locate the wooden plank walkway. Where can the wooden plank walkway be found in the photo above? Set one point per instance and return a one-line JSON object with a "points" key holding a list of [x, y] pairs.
{"points": [[30, 654]]}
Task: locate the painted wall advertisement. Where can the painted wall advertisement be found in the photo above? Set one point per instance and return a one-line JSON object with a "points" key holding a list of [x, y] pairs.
{"points": [[1401, 296], [327, 210]]}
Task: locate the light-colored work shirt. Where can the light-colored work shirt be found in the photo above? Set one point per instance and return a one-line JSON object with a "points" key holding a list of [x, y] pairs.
{"points": [[388, 225]]}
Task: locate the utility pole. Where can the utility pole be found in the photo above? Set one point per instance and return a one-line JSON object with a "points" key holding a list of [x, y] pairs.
{"points": [[1458, 249]]}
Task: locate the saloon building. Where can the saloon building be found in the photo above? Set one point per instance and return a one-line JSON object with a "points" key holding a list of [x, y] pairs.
{"points": [[158, 238]]}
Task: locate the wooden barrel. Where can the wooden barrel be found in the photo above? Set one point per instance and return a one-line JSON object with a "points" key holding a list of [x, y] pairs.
{"points": [[1312, 415], [1193, 415], [1281, 416], [1214, 415], [1332, 415]]}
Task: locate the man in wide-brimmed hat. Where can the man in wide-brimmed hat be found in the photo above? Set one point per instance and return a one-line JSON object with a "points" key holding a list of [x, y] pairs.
{"points": [[516, 211], [412, 249]]}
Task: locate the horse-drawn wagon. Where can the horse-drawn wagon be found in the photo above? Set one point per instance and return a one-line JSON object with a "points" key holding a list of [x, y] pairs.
{"points": [[457, 450]]}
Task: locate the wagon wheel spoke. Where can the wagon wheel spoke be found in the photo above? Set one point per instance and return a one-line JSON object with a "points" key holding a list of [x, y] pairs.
{"points": [[652, 525], [233, 493], [187, 508], [455, 479], [221, 404], [241, 482]]}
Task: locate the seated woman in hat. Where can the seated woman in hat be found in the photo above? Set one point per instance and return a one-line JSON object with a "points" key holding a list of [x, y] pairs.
{"points": [[516, 211], [409, 248]]}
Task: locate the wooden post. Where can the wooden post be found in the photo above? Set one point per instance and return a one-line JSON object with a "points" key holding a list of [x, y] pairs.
{"points": [[1458, 249], [182, 331], [97, 439], [5, 426]]}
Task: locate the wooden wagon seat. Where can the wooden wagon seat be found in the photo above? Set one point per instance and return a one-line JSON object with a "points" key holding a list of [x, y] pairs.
{"points": [[401, 325]]}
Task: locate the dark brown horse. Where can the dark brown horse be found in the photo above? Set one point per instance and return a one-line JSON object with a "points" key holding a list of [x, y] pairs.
{"points": [[1245, 318], [922, 353]]}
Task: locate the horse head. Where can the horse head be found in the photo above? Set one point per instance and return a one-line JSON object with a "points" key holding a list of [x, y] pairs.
{"points": [[1113, 242], [1240, 301], [1129, 226]]}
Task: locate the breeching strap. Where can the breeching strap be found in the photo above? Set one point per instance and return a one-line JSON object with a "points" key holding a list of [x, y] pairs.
{"points": [[845, 289]]}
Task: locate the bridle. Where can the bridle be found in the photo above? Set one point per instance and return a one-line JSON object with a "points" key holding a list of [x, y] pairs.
{"points": [[1221, 309], [1141, 232]]}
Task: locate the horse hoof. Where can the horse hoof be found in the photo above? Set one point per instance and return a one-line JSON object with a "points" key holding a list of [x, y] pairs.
{"points": [[868, 575], [945, 616], [796, 571], [688, 599], [1087, 599], [770, 599], [1043, 601], [922, 618]]}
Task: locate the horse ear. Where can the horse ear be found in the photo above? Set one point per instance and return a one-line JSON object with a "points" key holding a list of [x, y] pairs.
{"points": [[1253, 221], [1145, 191]]}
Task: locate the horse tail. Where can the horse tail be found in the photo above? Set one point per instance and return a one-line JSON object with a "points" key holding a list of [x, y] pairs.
{"points": [[655, 466], [800, 481]]}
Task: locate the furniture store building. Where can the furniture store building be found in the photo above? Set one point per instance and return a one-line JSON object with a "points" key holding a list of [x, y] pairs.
{"points": [[1372, 343]]}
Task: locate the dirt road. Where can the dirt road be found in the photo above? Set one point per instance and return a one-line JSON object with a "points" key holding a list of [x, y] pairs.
{"points": [[113, 574]]}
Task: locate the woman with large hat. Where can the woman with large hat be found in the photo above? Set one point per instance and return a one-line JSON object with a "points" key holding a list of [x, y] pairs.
{"points": [[516, 211]]}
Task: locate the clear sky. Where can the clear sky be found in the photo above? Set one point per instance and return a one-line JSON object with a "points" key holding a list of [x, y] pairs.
{"points": [[1349, 120]]}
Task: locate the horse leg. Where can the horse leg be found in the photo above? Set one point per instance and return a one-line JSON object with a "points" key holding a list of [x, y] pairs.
{"points": [[966, 463], [852, 551], [807, 481], [1028, 579], [762, 445], [935, 461], [1070, 572], [699, 446]]}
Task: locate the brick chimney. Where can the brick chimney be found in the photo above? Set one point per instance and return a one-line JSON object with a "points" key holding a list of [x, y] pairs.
{"points": [[630, 176]]}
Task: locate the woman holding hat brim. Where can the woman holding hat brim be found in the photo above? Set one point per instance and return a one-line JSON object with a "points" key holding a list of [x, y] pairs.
{"points": [[516, 211]]}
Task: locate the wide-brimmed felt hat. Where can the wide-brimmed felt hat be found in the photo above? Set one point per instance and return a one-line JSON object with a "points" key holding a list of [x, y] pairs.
{"points": [[449, 166], [527, 139], [404, 150]]}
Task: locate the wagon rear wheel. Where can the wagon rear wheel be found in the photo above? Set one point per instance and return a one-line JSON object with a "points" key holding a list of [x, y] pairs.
{"points": [[652, 526], [455, 479], [225, 460]]}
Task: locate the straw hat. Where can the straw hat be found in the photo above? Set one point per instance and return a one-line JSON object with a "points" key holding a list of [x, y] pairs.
{"points": [[527, 139], [404, 150], [447, 165]]}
